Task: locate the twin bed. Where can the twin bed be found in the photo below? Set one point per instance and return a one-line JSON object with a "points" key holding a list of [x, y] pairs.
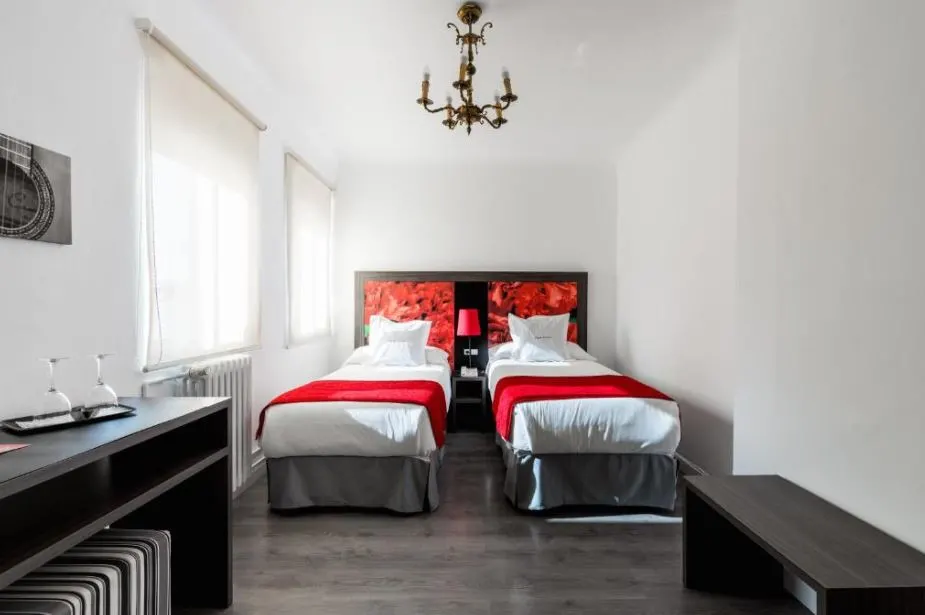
{"points": [[583, 449], [571, 431], [375, 454]]}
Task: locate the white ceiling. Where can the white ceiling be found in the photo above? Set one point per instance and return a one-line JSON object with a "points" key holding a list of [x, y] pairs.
{"points": [[588, 72]]}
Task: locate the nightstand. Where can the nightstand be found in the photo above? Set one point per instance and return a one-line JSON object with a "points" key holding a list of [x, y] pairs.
{"points": [[469, 407]]}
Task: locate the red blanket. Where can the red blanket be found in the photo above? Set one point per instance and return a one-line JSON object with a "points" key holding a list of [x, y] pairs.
{"points": [[515, 390], [425, 393]]}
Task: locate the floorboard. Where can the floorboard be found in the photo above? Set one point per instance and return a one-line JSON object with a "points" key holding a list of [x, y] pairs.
{"points": [[475, 555]]}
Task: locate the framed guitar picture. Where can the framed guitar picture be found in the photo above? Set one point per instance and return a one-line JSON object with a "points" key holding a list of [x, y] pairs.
{"points": [[35, 192]]}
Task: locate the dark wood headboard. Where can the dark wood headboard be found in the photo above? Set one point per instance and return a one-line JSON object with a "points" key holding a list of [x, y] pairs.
{"points": [[438, 295]]}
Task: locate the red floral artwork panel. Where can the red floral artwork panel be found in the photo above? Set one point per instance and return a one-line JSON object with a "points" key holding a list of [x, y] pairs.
{"points": [[526, 299], [401, 301]]}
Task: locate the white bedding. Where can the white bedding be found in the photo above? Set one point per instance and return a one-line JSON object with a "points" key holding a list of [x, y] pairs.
{"points": [[606, 425], [360, 429]]}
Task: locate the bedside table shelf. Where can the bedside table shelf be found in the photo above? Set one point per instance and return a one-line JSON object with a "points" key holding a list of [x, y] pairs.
{"points": [[470, 409]]}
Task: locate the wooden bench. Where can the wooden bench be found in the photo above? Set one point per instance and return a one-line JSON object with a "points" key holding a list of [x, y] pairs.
{"points": [[742, 532]]}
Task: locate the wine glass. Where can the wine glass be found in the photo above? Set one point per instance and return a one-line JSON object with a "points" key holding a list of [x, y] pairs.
{"points": [[101, 395], [54, 400]]}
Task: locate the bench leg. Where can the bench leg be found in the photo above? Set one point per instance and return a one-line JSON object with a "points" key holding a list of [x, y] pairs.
{"points": [[720, 558], [872, 601]]}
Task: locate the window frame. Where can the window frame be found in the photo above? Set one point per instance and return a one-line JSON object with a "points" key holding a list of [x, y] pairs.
{"points": [[147, 297], [293, 341]]}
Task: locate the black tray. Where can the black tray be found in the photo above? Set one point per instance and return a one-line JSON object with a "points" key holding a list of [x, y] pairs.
{"points": [[23, 425]]}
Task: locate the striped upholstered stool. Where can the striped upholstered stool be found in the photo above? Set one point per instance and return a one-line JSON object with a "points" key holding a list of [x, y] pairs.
{"points": [[37, 606], [116, 572]]}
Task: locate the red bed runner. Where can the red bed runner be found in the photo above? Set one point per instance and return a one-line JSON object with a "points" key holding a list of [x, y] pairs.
{"points": [[515, 390], [425, 393]]}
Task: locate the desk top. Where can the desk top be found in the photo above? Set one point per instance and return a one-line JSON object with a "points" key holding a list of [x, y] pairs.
{"points": [[830, 547], [53, 453]]}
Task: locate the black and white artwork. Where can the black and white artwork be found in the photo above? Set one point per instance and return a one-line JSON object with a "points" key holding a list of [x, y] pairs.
{"points": [[35, 192]]}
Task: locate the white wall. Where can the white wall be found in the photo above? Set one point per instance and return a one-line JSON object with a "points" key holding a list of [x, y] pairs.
{"points": [[77, 91], [676, 230], [505, 217], [831, 279]]}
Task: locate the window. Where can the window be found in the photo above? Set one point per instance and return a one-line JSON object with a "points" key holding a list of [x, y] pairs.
{"points": [[200, 218], [310, 204]]}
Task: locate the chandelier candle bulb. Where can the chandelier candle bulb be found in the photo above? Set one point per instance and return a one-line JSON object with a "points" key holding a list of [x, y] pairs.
{"points": [[462, 68], [497, 107], [506, 77]]}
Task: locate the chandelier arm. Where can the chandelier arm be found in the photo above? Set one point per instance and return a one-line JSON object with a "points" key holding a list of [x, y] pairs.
{"points": [[458, 34], [488, 25], [491, 123], [440, 110]]}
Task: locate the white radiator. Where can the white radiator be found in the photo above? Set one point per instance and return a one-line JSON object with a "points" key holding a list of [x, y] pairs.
{"points": [[224, 377]]}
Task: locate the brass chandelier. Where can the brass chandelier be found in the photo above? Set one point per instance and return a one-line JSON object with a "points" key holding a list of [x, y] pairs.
{"points": [[469, 113]]}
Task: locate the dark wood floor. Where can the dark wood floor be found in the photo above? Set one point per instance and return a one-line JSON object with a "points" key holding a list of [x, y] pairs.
{"points": [[475, 555]]}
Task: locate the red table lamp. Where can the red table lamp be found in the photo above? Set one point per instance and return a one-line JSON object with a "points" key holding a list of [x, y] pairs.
{"points": [[467, 325]]}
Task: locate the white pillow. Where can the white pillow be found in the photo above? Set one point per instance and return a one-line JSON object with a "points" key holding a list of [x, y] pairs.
{"points": [[501, 351], [364, 356], [396, 352], [376, 324], [360, 356], [398, 343], [577, 353], [436, 356], [506, 351], [540, 338]]}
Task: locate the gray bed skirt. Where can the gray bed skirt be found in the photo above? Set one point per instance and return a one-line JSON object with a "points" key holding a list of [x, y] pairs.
{"points": [[401, 484], [542, 482]]}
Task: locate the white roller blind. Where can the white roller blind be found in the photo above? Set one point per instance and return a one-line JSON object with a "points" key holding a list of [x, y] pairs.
{"points": [[310, 204], [201, 217]]}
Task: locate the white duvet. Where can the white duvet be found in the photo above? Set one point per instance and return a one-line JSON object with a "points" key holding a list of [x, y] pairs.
{"points": [[606, 425], [360, 429]]}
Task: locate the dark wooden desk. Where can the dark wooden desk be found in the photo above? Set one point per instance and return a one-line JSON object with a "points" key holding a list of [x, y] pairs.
{"points": [[166, 468], [742, 532]]}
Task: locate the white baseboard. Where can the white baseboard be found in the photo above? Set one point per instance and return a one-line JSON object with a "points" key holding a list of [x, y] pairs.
{"points": [[259, 461], [258, 469]]}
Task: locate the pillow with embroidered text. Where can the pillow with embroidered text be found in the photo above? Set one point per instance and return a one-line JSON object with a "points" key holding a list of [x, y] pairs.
{"points": [[539, 338]]}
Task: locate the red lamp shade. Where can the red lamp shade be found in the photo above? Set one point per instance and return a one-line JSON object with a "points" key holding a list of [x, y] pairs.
{"points": [[468, 322]]}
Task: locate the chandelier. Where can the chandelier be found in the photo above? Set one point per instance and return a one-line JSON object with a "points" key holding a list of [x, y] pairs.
{"points": [[469, 113]]}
